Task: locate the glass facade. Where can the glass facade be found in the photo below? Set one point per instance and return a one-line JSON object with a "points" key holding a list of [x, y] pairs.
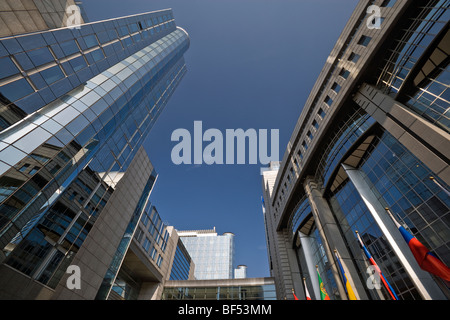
{"points": [[152, 235], [45, 65], [418, 75], [242, 292], [181, 263], [351, 164], [76, 107], [400, 182], [349, 130], [213, 255], [110, 277]]}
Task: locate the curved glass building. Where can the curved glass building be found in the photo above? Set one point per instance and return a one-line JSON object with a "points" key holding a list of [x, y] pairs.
{"points": [[371, 149], [76, 104]]}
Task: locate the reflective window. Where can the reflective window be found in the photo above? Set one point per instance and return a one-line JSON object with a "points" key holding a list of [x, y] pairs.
{"points": [[304, 145], [321, 113], [40, 56], [432, 101], [52, 74], [388, 3], [354, 57], [336, 87], [8, 68], [69, 47], [159, 261], [78, 63], [364, 41], [16, 90], [91, 41], [97, 55], [123, 31], [134, 27], [24, 167], [344, 73], [34, 170], [405, 186], [315, 124]]}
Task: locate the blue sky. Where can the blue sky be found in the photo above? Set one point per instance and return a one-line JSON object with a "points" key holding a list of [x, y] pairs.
{"points": [[251, 64]]}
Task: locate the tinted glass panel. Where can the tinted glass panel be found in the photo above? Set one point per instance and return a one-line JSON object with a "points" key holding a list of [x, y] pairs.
{"points": [[52, 74], [7, 68], [78, 63], [40, 56], [91, 41], [16, 90], [97, 55], [69, 47]]}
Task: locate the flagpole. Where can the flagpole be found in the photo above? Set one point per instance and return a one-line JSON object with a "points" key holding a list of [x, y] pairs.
{"points": [[308, 297], [348, 288], [440, 186], [377, 268], [425, 259], [293, 293], [323, 292]]}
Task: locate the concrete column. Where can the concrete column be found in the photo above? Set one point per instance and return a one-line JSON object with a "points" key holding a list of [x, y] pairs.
{"points": [[310, 264], [332, 239], [289, 276], [418, 135], [422, 280]]}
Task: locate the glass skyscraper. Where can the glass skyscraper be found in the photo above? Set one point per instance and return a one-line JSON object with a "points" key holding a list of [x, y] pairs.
{"points": [[76, 104], [213, 254]]}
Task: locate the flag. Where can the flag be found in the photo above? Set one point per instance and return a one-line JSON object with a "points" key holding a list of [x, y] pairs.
{"points": [[293, 293], [348, 287], [323, 291], [308, 297], [426, 260], [373, 263]]}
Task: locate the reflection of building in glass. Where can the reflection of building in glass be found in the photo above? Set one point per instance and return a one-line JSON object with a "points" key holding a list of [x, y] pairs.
{"points": [[75, 108], [213, 254], [31, 16], [373, 131], [232, 289]]}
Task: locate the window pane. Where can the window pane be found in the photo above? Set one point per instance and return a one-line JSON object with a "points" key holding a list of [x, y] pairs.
{"points": [[8, 68], [78, 63], [336, 87], [69, 47], [91, 41], [97, 55], [52, 74], [40, 56], [364, 41], [16, 90]]}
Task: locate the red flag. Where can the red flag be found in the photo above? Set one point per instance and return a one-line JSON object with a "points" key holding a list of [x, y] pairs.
{"points": [[426, 260], [293, 293], [308, 297]]}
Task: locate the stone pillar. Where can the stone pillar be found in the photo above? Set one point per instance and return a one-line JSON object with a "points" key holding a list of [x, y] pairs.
{"points": [[332, 239], [306, 247]]}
